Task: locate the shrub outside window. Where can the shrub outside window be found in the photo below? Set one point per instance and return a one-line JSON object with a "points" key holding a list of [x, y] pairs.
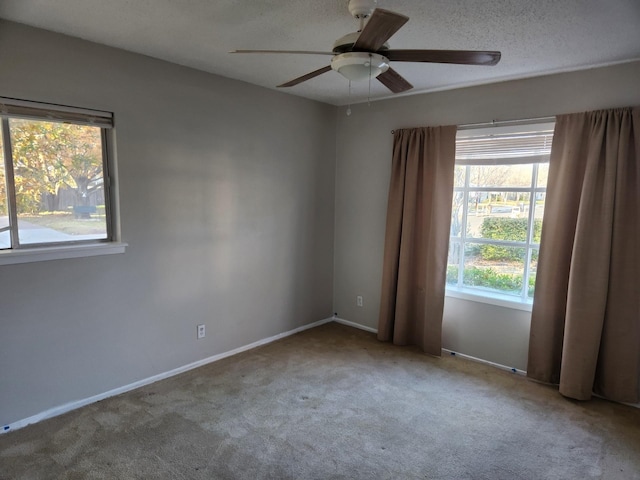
{"points": [[54, 183], [497, 211]]}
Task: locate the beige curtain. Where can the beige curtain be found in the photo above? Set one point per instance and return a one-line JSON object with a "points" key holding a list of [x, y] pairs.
{"points": [[585, 326], [417, 237]]}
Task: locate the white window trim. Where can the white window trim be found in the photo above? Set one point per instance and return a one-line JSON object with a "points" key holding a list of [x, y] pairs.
{"points": [[104, 120], [478, 294], [59, 252], [492, 298]]}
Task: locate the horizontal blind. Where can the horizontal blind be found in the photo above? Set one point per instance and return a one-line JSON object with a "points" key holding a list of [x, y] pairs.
{"points": [[508, 148], [54, 113]]}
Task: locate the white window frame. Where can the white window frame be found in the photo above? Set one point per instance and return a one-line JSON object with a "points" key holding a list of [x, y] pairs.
{"points": [[13, 108], [479, 294]]}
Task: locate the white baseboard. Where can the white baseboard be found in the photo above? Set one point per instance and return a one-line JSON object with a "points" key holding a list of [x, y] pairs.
{"points": [[354, 325], [67, 407], [444, 350]]}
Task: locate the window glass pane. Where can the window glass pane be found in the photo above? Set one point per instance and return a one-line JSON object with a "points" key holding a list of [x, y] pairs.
{"points": [[538, 214], [456, 213], [58, 170], [494, 268], [458, 179], [500, 203], [5, 237], [533, 269], [501, 175], [453, 263], [498, 215], [543, 175]]}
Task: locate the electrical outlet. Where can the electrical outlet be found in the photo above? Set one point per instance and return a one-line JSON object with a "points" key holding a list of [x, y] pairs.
{"points": [[359, 300], [201, 331]]}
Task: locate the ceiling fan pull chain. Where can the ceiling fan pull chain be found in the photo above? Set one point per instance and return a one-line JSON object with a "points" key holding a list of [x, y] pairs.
{"points": [[349, 106]]}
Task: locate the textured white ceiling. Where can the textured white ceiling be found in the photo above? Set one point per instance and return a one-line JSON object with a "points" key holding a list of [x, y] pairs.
{"points": [[534, 36]]}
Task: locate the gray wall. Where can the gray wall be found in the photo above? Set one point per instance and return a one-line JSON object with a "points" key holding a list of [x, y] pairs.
{"points": [[364, 146], [227, 200]]}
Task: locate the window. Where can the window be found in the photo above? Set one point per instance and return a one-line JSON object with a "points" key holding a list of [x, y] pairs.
{"points": [[497, 211], [54, 182]]}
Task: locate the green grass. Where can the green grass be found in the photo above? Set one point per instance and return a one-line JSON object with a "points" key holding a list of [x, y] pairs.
{"points": [[491, 278], [66, 223]]}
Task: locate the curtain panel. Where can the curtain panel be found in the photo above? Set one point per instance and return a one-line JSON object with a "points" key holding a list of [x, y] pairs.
{"points": [[417, 237], [585, 326]]}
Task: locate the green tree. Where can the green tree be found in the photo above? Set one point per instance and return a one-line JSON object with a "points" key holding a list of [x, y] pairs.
{"points": [[48, 156], [514, 229], [483, 176]]}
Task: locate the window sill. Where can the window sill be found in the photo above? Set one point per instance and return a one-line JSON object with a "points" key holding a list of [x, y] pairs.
{"points": [[490, 298], [42, 254]]}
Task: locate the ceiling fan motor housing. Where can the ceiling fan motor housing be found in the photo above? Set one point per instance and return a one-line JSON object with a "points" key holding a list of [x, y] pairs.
{"points": [[346, 42], [361, 8]]}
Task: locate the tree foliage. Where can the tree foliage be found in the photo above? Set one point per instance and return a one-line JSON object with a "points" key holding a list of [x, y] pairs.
{"points": [[485, 176], [490, 278], [513, 229], [49, 156]]}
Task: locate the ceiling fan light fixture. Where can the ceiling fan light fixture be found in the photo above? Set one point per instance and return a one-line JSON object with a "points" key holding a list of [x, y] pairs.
{"points": [[356, 66]]}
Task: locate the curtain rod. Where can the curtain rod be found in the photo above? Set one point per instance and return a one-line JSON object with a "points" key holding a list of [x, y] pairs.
{"points": [[502, 123]]}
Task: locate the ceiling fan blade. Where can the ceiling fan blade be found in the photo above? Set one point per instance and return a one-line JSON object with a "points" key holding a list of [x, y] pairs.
{"points": [[306, 77], [380, 27], [463, 57], [394, 81]]}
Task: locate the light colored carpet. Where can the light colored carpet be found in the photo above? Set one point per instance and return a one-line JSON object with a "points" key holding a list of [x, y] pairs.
{"points": [[333, 403]]}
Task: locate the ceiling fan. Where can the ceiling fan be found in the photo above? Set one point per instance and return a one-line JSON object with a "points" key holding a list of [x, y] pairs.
{"points": [[365, 54]]}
